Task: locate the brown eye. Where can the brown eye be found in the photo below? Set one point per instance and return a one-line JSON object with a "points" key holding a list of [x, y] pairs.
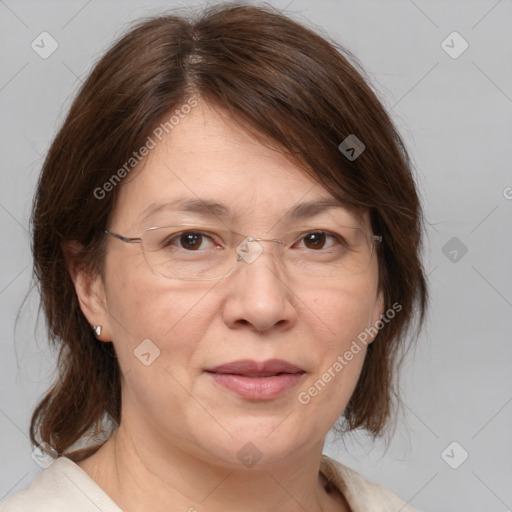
{"points": [[315, 240], [190, 240]]}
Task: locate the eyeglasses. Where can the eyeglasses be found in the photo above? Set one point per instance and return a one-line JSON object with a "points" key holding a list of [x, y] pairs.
{"points": [[201, 253]]}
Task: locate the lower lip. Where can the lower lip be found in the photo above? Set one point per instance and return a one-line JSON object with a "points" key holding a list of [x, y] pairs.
{"points": [[258, 388]]}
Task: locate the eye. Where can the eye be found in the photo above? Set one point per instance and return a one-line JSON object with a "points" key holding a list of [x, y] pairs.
{"points": [[191, 241], [317, 240]]}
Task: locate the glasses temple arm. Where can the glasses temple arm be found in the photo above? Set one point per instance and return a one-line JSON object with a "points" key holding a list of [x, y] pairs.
{"points": [[124, 238]]}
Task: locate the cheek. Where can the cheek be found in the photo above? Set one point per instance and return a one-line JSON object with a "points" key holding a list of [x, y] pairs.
{"points": [[158, 326], [340, 313], [338, 316], [143, 306]]}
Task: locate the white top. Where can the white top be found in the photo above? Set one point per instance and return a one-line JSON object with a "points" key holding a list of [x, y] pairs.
{"points": [[66, 487]]}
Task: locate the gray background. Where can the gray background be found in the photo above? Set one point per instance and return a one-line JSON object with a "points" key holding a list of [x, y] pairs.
{"points": [[455, 115]]}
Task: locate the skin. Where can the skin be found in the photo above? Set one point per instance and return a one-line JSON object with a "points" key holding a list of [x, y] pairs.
{"points": [[180, 431]]}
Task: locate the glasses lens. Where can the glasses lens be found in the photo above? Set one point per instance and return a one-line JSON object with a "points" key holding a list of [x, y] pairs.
{"points": [[199, 253], [187, 252], [334, 253]]}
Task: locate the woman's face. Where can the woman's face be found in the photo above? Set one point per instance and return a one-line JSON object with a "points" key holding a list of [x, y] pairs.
{"points": [[261, 312]]}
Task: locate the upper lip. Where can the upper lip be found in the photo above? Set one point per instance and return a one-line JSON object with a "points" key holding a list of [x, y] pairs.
{"points": [[256, 369]]}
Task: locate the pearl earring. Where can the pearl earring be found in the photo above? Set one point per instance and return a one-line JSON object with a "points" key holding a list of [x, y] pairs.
{"points": [[97, 330]]}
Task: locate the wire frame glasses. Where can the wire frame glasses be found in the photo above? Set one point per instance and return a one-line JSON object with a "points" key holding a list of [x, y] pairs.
{"points": [[202, 253]]}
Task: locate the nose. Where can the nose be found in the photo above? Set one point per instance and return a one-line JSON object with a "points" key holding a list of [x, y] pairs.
{"points": [[259, 295]]}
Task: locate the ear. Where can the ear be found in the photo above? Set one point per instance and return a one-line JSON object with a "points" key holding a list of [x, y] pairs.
{"points": [[377, 312], [89, 288]]}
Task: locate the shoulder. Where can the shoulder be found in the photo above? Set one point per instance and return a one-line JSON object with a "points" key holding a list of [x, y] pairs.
{"points": [[361, 494], [62, 487]]}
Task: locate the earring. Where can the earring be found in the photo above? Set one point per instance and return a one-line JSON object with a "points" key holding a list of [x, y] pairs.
{"points": [[97, 330]]}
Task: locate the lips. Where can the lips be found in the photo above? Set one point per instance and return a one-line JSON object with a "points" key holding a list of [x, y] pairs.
{"points": [[251, 368], [254, 380]]}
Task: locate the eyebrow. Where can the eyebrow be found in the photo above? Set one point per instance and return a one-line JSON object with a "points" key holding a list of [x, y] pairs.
{"points": [[212, 209]]}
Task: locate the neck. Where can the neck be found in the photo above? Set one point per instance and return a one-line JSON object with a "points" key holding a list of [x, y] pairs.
{"points": [[140, 478]]}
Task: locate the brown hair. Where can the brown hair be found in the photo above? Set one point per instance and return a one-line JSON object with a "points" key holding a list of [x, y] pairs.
{"points": [[289, 86]]}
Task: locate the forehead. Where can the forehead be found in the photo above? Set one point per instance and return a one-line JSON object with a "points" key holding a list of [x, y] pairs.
{"points": [[208, 164]]}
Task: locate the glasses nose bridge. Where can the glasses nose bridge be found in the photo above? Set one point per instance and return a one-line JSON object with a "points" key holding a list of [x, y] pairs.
{"points": [[250, 248], [276, 240]]}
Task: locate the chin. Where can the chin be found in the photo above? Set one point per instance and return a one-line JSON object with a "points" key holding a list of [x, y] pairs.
{"points": [[262, 443]]}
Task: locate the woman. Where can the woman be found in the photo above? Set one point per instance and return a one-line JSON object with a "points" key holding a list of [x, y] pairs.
{"points": [[226, 234]]}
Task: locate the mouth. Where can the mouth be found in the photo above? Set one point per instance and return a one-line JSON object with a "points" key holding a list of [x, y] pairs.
{"points": [[256, 381]]}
